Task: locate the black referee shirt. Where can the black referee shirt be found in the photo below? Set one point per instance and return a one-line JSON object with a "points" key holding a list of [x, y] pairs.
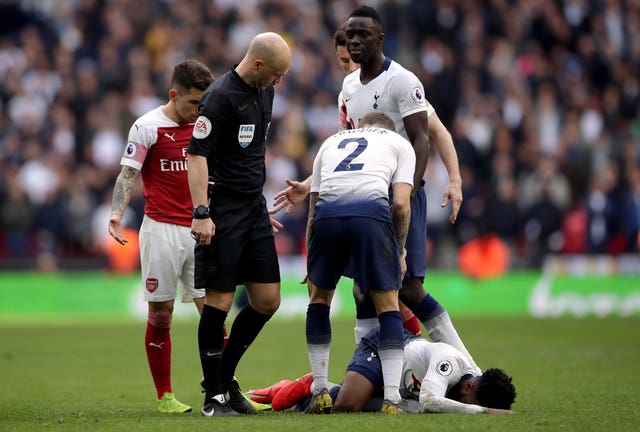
{"points": [[231, 132]]}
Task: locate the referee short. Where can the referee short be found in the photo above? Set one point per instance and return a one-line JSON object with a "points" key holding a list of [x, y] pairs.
{"points": [[242, 249]]}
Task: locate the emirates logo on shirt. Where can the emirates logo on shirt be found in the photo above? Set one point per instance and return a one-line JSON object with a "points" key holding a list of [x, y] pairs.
{"points": [[152, 284]]}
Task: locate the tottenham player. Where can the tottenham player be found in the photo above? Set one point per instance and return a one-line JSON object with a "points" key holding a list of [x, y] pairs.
{"points": [[382, 85], [438, 376], [156, 148], [350, 219]]}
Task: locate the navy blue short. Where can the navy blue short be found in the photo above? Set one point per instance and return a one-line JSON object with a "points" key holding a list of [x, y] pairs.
{"points": [[416, 244], [371, 243], [366, 361], [242, 249]]}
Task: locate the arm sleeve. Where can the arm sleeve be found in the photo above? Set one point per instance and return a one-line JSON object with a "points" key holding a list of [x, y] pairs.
{"points": [[430, 403], [409, 93], [434, 388], [315, 175], [406, 162], [206, 130], [342, 113], [141, 138]]}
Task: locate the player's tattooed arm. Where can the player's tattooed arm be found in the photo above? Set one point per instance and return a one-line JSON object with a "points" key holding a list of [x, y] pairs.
{"points": [[120, 200], [123, 189], [401, 221]]}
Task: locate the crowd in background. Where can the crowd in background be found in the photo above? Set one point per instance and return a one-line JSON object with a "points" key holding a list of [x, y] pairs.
{"points": [[542, 98]]}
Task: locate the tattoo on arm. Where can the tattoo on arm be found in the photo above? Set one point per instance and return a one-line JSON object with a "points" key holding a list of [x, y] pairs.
{"points": [[401, 223], [123, 189]]}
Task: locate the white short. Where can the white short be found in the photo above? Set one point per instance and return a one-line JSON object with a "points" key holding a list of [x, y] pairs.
{"points": [[166, 256]]}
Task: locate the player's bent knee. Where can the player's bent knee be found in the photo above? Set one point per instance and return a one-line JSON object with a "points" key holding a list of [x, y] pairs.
{"points": [[412, 291], [266, 307]]}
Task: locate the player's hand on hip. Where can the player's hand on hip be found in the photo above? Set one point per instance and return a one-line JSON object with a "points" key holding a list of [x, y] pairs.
{"points": [[203, 230], [115, 229]]}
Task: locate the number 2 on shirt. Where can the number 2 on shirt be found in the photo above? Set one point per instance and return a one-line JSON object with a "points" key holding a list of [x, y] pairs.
{"points": [[346, 164]]}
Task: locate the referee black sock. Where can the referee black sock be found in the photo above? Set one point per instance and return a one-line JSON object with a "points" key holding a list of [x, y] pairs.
{"points": [[245, 329], [210, 342]]}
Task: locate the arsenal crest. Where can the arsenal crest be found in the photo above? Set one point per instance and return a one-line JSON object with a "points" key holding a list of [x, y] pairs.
{"points": [[152, 284]]}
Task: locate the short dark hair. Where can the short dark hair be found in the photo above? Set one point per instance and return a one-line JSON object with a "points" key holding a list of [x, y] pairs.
{"points": [[190, 74], [494, 389], [378, 119], [340, 38], [367, 12]]}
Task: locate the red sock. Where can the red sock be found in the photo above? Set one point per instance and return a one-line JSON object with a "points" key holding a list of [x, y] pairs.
{"points": [[226, 337], [158, 344], [411, 323]]}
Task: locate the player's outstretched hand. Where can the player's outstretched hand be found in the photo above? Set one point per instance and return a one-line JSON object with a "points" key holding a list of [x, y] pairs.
{"points": [[294, 194], [453, 192], [498, 411]]}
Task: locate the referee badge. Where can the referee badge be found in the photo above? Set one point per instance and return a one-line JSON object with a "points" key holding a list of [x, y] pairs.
{"points": [[245, 134], [202, 128]]}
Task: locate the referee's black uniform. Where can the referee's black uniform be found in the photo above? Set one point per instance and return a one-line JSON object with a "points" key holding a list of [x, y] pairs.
{"points": [[231, 133]]}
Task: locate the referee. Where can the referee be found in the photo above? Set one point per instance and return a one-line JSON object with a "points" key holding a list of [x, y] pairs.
{"points": [[235, 244]]}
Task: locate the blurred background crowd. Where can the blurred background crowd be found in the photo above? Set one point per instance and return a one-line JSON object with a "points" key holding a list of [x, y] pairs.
{"points": [[541, 98]]}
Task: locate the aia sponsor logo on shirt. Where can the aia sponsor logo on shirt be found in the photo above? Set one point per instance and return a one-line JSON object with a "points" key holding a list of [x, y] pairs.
{"points": [[151, 284], [411, 382]]}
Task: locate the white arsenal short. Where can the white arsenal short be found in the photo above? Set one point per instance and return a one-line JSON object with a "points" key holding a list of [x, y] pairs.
{"points": [[166, 258]]}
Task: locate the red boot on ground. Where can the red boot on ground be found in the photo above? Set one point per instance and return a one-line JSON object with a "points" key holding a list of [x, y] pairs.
{"points": [[266, 395], [290, 394]]}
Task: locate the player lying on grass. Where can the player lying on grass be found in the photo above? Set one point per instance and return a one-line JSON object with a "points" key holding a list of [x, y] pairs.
{"points": [[436, 378]]}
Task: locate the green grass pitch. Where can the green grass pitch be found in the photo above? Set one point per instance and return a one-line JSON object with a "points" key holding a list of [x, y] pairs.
{"points": [[571, 375]]}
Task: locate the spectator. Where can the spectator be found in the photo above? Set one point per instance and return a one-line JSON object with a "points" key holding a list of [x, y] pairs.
{"points": [[560, 79]]}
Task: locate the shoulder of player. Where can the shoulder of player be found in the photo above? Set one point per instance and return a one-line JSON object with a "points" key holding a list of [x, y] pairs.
{"points": [[401, 76], [398, 69], [150, 121]]}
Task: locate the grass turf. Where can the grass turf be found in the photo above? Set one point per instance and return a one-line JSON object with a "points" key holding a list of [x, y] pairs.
{"points": [[571, 375]]}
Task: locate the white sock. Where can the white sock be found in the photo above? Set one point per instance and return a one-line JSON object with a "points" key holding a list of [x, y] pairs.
{"points": [[364, 326], [391, 360], [319, 361]]}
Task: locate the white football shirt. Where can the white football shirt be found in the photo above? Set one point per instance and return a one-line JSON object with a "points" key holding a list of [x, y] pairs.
{"points": [[430, 369], [396, 92], [361, 164]]}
